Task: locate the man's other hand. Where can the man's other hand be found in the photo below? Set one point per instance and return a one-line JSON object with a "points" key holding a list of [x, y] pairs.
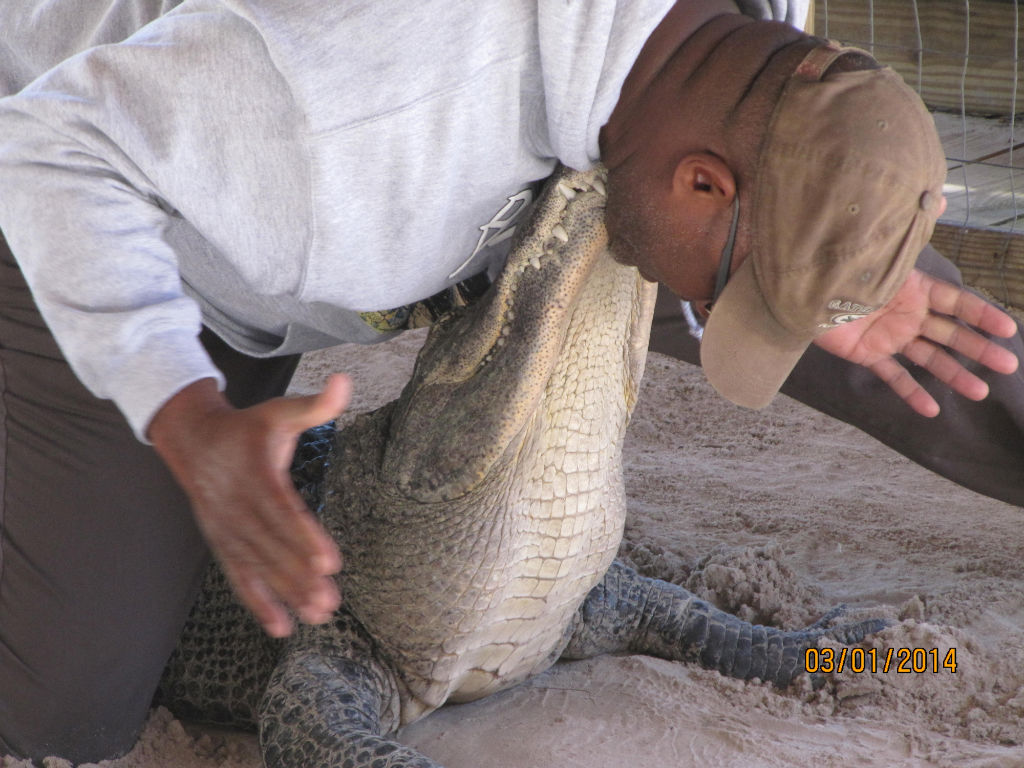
{"points": [[233, 464], [924, 319]]}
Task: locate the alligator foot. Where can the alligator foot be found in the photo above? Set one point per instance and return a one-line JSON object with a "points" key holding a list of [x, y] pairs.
{"points": [[627, 612], [324, 708]]}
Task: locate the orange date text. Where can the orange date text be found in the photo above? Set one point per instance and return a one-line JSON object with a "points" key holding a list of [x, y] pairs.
{"points": [[899, 660]]}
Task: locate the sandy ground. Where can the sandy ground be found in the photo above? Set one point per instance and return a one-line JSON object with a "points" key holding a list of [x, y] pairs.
{"points": [[778, 516]]}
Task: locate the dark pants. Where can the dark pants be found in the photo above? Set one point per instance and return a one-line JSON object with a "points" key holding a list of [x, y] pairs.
{"points": [[99, 556], [979, 445]]}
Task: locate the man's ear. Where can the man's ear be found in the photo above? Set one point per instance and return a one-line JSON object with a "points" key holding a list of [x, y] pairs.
{"points": [[703, 180]]}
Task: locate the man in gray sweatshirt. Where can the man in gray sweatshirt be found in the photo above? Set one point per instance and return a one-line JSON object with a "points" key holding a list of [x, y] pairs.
{"points": [[240, 181]]}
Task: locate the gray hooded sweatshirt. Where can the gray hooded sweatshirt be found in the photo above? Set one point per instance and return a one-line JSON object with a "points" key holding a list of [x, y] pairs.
{"points": [[272, 168]]}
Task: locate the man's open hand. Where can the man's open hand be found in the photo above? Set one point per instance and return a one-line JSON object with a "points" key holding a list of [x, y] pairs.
{"points": [[233, 464], [924, 318]]}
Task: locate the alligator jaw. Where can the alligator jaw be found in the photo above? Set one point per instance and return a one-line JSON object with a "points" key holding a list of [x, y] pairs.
{"points": [[494, 354]]}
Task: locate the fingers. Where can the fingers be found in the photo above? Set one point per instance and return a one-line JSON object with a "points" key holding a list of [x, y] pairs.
{"points": [[940, 364], [254, 595], [942, 330], [271, 569], [263, 598], [972, 309], [946, 369], [905, 386], [943, 366], [298, 552]]}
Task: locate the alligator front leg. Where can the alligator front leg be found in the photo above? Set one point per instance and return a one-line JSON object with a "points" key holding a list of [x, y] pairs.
{"points": [[325, 709], [627, 612]]}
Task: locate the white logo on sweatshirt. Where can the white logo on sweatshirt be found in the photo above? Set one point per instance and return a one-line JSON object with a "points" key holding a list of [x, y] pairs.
{"points": [[502, 225]]}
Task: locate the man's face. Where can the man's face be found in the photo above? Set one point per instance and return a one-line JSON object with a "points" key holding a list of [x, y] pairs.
{"points": [[669, 243]]}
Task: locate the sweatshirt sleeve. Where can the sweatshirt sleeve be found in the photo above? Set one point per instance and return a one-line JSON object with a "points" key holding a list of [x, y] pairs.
{"points": [[39, 34], [187, 119]]}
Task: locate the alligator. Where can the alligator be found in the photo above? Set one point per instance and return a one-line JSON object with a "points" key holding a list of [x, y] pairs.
{"points": [[479, 516]]}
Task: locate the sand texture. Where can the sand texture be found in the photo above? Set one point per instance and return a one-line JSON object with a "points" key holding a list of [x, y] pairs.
{"points": [[777, 516]]}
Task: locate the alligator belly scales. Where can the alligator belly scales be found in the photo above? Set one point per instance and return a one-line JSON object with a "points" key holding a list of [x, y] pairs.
{"points": [[478, 516]]}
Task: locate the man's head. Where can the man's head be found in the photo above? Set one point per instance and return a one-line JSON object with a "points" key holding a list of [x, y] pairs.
{"points": [[838, 175]]}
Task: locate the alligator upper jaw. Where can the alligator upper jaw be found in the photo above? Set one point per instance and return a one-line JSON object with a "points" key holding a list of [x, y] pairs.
{"points": [[481, 374]]}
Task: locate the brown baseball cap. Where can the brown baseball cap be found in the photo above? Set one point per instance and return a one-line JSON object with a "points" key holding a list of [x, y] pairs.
{"points": [[846, 193]]}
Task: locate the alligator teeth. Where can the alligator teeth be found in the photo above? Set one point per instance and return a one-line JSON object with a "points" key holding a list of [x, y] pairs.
{"points": [[600, 188], [567, 192], [559, 232]]}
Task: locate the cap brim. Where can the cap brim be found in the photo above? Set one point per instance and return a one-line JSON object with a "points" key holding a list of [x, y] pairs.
{"points": [[745, 353]]}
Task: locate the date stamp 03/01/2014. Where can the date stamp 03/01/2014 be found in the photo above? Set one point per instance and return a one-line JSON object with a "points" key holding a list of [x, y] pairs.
{"points": [[900, 660]]}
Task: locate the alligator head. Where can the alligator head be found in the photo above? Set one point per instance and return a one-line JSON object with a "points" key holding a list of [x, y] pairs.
{"points": [[482, 375]]}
